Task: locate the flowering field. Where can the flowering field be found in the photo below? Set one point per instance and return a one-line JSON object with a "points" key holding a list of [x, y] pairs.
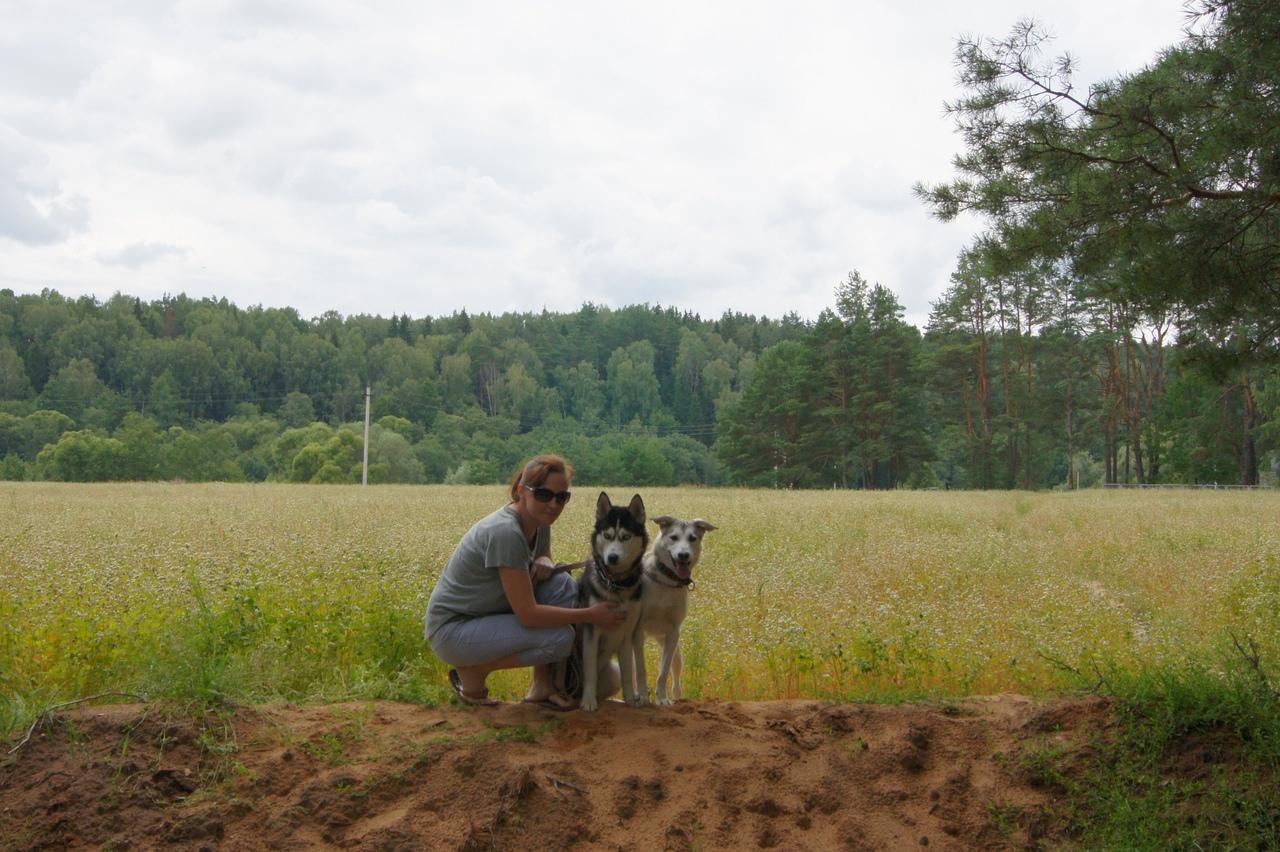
{"points": [[255, 592]]}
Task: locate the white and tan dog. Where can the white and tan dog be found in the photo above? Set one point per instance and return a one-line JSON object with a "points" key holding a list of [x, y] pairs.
{"points": [[664, 598]]}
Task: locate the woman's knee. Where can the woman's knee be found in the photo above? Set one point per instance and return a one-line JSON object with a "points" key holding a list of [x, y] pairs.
{"points": [[558, 590]]}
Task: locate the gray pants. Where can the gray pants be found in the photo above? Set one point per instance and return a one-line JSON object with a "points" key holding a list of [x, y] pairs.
{"points": [[473, 641]]}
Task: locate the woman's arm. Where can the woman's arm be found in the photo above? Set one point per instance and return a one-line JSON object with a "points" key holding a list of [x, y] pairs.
{"points": [[530, 613]]}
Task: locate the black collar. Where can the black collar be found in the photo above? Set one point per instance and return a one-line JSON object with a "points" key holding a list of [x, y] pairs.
{"points": [[628, 582], [670, 574]]}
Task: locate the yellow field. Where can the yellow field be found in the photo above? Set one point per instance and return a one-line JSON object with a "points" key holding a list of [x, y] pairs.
{"points": [[306, 592]]}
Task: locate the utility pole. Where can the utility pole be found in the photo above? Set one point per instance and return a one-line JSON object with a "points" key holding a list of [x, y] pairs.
{"points": [[364, 475]]}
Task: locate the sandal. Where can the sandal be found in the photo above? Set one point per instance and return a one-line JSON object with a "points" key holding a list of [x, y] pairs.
{"points": [[482, 700], [555, 701]]}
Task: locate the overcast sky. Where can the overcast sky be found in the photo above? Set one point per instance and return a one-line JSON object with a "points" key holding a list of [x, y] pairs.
{"points": [[426, 157]]}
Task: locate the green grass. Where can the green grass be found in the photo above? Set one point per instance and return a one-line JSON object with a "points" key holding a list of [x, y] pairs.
{"points": [[1192, 763], [260, 592]]}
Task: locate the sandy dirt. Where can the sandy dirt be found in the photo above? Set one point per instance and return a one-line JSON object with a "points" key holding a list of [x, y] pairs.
{"points": [[698, 775]]}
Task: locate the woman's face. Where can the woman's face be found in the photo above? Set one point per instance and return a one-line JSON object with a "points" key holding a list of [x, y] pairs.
{"points": [[546, 513]]}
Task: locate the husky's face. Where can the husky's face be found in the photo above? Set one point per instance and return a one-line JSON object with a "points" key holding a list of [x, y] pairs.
{"points": [[681, 541], [620, 538]]}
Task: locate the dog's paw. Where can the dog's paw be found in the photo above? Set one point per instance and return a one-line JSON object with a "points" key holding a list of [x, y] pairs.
{"points": [[638, 701], [589, 703], [664, 701]]}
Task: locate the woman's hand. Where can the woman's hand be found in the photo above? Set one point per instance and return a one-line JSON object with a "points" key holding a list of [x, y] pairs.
{"points": [[543, 567], [604, 614]]}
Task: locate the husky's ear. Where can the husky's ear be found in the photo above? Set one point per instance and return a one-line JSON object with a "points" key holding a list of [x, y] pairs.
{"points": [[637, 508], [602, 506], [664, 521], [704, 526]]}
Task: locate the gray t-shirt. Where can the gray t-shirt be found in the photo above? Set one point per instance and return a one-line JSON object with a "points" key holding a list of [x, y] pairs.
{"points": [[470, 586]]}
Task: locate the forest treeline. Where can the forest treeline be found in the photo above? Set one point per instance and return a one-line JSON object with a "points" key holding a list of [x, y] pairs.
{"points": [[1009, 386], [1118, 321]]}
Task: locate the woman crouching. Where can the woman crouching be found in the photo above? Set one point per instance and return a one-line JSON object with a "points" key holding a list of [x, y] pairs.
{"points": [[500, 603]]}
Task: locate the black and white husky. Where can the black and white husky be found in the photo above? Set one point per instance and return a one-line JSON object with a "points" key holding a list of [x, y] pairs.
{"points": [[618, 544], [668, 573]]}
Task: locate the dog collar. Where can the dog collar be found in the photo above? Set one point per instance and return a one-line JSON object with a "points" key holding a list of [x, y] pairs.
{"points": [[617, 585], [672, 575]]}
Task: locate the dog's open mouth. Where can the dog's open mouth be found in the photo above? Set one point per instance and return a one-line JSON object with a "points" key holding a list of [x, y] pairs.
{"points": [[683, 571]]}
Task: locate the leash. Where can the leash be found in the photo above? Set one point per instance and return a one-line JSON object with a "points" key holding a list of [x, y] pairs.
{"points": [[566, 567]]}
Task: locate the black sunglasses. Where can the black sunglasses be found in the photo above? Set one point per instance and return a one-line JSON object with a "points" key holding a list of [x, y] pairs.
{"points": [[546, 495]]}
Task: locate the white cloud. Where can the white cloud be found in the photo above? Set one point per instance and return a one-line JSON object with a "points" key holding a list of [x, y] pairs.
{"points": [[33, 208], [423, 158], [136, 255]]}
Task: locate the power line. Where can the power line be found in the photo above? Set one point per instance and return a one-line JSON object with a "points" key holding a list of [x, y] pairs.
{"points": [[692, 430]]}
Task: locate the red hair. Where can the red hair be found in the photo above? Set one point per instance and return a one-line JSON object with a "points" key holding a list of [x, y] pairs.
{"points": [[535, 471]]}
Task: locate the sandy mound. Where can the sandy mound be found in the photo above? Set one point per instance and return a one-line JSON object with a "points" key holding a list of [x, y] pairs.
{"points": [[705, 775]]}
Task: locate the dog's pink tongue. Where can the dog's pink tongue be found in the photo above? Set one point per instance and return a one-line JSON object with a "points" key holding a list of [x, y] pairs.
{"points": [[682, 571]]}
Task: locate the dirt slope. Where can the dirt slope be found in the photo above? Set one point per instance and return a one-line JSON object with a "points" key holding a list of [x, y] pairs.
{"points": [[386, 776]]}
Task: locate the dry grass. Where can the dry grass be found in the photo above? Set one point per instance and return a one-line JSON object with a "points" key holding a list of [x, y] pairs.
{"points": [[318, 592]]}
